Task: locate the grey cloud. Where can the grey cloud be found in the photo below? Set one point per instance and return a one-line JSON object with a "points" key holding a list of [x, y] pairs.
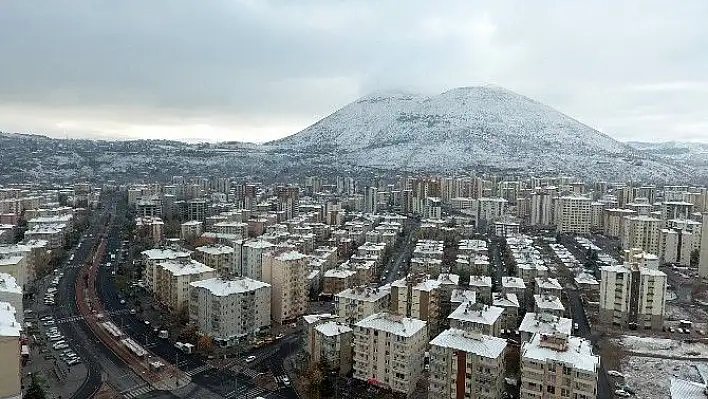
{"points": [[234, 64]]}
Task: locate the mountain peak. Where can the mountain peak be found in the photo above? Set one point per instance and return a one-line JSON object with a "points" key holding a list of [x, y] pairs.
{"points": [[466, 127]]}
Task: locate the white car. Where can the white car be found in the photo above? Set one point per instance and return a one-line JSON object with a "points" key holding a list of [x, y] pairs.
{"points": [[122, 301], [286, 381], [250, 359], [615, 373], [622, 393]]}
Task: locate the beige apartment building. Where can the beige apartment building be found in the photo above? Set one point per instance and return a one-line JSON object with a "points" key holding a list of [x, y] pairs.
{"points": [[287, 274], [229, 310], [248, 257], [613, 223], [466, 365], [642, 232], [389, 351], [10, 329], [332, 347], [418, 297], [533, 323], [218, 257], [558, 366], [573, 214], [173, 278], [152, 257], [357, 303], [337, 280]]}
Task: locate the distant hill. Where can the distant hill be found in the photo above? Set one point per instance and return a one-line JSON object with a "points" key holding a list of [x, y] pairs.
{"points": [[472, 127]]}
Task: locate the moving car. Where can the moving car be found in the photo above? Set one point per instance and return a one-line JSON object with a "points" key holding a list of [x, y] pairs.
{"points": [[250, 359]]}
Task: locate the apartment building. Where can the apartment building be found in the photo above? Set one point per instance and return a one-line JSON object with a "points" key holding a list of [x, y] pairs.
{"points": [[218, 257], [417, 297], [173, 278], [11, 292], [703, 255], [613, 223], [558, 365], [287, 274], [548, 285], [10, 373], [573, 214], [490, 209], [642, 232], [510, 304], [16, 266], [542, 208], [389, 351], [53, 234], [229, 310], [549, 304], [248, 257], [337, 280], [466, 365], [357, 303], [676, 245], [533, 323], [332, 347], [482, 285], [631, 294], [477, 318], [516, 286], [191, 229], [152, 257]]}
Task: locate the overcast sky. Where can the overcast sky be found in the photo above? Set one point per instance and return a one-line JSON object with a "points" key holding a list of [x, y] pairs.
{"points": [[256, 70]]}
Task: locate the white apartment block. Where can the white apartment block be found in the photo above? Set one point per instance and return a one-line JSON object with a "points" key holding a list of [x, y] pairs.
{"points": [[287, 274], [248, 257], [676, 245], [173, 278], [542, 208], [11, 292], [53, 234], [573, 214], [477, 318], [558, 366], [229, 310], [218, 257], [152, 257], [548, 285], [482, 285], [466, 365], [613, 223], [510, 304], [389, 351], [490, 209], [632, 294], [642, 232], [354, 304], [10, 374], [331, 346]]}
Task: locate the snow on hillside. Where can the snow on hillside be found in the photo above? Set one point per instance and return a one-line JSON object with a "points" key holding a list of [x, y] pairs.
{"points": [[473, 127]]}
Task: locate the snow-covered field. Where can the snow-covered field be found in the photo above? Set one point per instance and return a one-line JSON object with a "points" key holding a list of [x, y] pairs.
{"points": [[651, 377], [663, 346]]}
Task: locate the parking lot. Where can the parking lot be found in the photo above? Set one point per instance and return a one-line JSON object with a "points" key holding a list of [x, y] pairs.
{"points": [[51, 354]]}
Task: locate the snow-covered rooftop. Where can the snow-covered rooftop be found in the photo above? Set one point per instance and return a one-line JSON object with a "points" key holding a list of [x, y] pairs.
{"points": [[9, 327], [513, 282], [505, 301], [183, 268], [9, 284], [291, 256], [166, 253], [461, 296], [221, 287], [546, 323], [476, 313], [578, 352], [550, 302], [215, 249], [682, 389], [333, 328], [396, 325], [366, 294], [478, 344]]}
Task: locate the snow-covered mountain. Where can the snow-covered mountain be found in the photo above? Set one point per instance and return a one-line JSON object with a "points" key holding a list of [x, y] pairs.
{"points": [[471, 127]]}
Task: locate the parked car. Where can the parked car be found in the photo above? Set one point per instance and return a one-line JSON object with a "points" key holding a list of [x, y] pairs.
{"points": [[622, 393], [250, 359], [615, 373]]}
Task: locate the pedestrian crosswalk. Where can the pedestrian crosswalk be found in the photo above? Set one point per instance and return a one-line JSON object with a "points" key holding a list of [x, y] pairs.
{"points": [[249, 373], [198, 370], [137, 391], [77, 318], [251, 394]]}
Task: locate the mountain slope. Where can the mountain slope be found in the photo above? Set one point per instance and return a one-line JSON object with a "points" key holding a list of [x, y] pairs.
{"points": [[471, 127]]}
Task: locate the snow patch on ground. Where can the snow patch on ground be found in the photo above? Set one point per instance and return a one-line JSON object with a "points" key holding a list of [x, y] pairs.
{"points": [[650, 378], [663, 346]]}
